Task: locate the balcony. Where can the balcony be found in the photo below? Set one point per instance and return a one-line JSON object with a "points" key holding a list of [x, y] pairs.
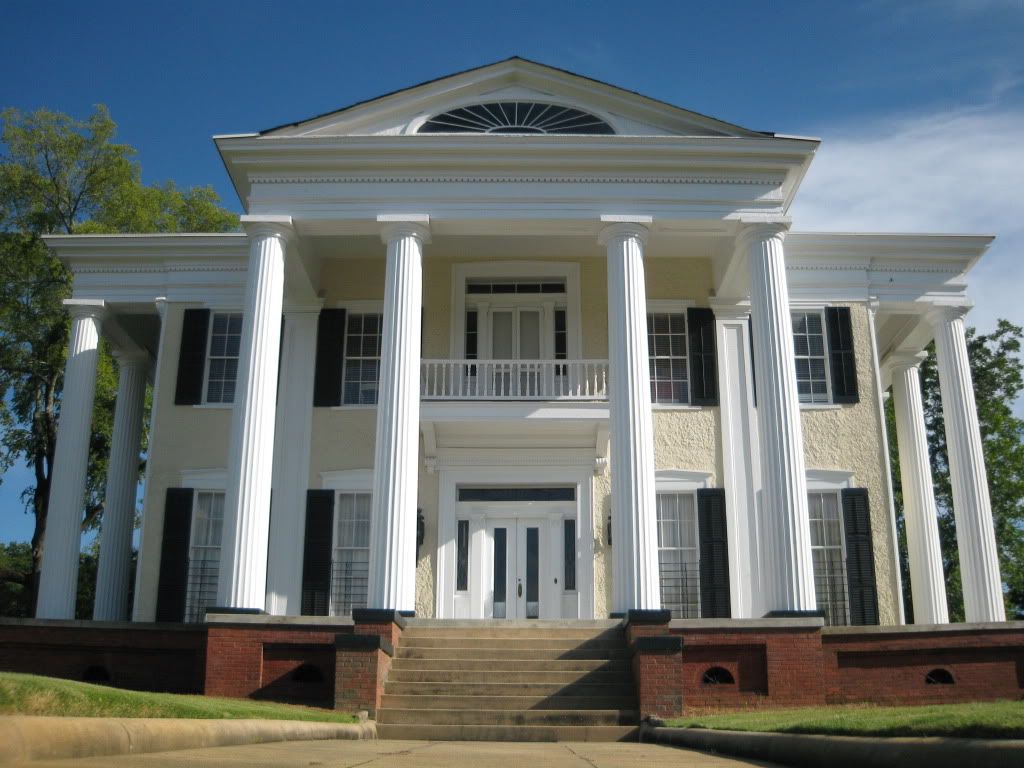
{"points": [[578, 380]]}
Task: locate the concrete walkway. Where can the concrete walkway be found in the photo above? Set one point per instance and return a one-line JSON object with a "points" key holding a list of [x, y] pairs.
{"points": [[418, 754]]}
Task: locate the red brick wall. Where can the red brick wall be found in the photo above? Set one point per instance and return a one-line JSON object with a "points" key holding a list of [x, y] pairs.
{"points": [[658, 687], [143, 657]]}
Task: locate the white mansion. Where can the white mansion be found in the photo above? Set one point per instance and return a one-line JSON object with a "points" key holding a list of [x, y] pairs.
{"points": [[515, 343]]}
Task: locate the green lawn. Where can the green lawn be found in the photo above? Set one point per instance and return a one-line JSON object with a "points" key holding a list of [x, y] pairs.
{"points": [[989, 720], [35, 695]]}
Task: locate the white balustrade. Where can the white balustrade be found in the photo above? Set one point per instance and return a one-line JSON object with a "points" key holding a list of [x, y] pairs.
{"points": [[514, 379]]}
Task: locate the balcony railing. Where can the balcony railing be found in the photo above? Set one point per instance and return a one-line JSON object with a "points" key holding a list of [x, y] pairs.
{"points": [[514, 379]]}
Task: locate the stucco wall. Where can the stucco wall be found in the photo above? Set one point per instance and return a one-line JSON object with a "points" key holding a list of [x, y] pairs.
{"points": [[850, 438]]}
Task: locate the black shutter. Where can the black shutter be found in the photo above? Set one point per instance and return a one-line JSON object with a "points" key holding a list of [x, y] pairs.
{"points": [[715, 601], [173, 584], [316, 554], [840, 353], [192, 357], [700, 328], [330, 357], [860, 557]]}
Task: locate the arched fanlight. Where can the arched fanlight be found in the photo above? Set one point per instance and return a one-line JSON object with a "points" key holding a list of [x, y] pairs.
{"points": [[516, 117]]}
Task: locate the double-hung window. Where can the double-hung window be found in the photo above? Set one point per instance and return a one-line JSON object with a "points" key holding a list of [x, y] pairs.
{"points": [[828, 554], [350, 559], [204, 553], [666, 347], [823, 347], [222, 360], [679, 554], [361, 374], [811, 364]]}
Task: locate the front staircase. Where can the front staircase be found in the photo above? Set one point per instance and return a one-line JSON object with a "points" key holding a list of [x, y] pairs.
{"points": [[510, 681]]}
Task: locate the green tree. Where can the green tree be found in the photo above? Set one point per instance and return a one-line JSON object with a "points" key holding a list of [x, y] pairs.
{"points": [[68, 176], [998, 376]]}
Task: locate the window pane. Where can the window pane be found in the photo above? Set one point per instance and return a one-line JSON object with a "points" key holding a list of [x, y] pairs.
{"points": [[827, 553], [350, 562], [362, 359], [666, 342], [678, 555], [809, 351]]}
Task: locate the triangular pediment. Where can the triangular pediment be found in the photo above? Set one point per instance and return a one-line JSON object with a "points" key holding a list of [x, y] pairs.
{"points": [[518, 81]]}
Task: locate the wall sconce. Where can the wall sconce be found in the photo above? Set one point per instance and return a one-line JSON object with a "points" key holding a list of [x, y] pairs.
{"points": [[421, 530], [608, 530]]}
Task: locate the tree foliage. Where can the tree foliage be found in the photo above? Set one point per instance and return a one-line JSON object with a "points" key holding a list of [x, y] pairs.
{"points": [[60, 175], [998, 375]]}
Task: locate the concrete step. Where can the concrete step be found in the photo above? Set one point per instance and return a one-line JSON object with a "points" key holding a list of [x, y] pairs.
{"points": [[532, 641], [508, 732], [414, 701], [510, 634], [507, 717], [491, 652], [500, 665], [524, 675], [504, 689], [593, 624]]}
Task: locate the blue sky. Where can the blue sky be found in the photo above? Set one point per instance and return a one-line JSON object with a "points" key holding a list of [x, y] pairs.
{"points": [[920, 103]]}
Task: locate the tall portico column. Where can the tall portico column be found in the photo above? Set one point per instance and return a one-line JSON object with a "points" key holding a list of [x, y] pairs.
{"points": [[122, 489], [243, 568], [58, 580], [786, 565], [972, 508], [927, 580], [634, 521], [392, 578]]}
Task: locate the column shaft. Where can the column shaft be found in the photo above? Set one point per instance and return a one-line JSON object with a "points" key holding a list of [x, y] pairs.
{"points": [[634, 522], [972, 508], [787, 568], [243, 568], [392, 579], [927, 580], [58, 580], [122, 488]]}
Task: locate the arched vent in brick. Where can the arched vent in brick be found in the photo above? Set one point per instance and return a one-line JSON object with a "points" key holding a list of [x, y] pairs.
{"points": [[939, 676], [718, 676]]}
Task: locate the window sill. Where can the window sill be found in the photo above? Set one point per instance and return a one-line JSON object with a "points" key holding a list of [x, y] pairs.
{"points": [[820, 407], [215, 406], [676, 407], [353, 407]]}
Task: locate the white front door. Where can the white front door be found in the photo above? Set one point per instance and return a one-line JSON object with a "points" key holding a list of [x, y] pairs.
{"points": [[518, 569]]}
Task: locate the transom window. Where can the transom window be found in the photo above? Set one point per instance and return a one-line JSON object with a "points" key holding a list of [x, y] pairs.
{"points": [[809, 350], [516, 117], [666, 345], [515, 286], [350, 565], [204, 553], [826, 518], [362, 358], [678, 554], [222, 360]]}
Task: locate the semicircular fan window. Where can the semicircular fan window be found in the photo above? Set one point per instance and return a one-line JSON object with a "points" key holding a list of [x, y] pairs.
{"points": [[516, 117]]}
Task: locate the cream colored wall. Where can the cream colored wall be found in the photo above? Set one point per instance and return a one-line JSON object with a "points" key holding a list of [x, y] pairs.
{"points": [[184, 437], [850, 438]]}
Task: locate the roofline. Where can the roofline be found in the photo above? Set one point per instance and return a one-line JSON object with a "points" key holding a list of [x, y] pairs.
{"points": [[505, 61]]}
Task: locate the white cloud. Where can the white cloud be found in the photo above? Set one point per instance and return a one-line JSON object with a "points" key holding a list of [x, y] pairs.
{"points": [[948, 172]]}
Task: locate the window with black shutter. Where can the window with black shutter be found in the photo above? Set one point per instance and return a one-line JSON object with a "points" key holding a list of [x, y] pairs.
{"points": [[172, 586], [715, 600], [842, 363], [195, 329], [330, 354], [860, 557], [316, 555], [700, 326]]}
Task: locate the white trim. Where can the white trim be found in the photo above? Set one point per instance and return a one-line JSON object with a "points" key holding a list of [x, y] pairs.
{"points": [[680, 480], [819, 480], [348, 480], [567, 270], [205, 479], [360, 306], [670, 305]]}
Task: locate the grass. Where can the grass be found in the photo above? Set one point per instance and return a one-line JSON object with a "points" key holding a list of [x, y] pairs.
{"points": [[35, 695], [988, 720]]}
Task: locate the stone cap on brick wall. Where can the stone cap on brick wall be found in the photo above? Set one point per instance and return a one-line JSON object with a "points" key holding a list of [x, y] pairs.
{"points": [[745, 625], [900, 629], [276, 621]]}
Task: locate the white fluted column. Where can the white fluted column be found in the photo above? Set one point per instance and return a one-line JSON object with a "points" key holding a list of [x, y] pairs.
{"points": [[291, 461], [122, 488], [972, 509], [634, 518], [392, 581], [58, 580], [927, 579], [243, 566], [787, 569]]}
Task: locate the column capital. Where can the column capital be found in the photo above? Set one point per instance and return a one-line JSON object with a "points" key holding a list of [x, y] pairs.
{"points": [[730, 309], [752, 230], [268, 226], [622, 227], [96, 308], [901, 360], [131, 357], [945, 313], [396, 225]]}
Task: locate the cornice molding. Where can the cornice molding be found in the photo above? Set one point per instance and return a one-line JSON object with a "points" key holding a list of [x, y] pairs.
{"points": [[342, 179], [157, 269]]}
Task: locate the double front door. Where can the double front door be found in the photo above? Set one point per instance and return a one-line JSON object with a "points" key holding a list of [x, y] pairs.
{"points": [[516, 572]]}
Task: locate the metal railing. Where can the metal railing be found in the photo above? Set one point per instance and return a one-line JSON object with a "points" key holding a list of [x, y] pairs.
{"points": [[349, 582], [202, 587], [680, 589], [831, 593], [514, 379]]}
